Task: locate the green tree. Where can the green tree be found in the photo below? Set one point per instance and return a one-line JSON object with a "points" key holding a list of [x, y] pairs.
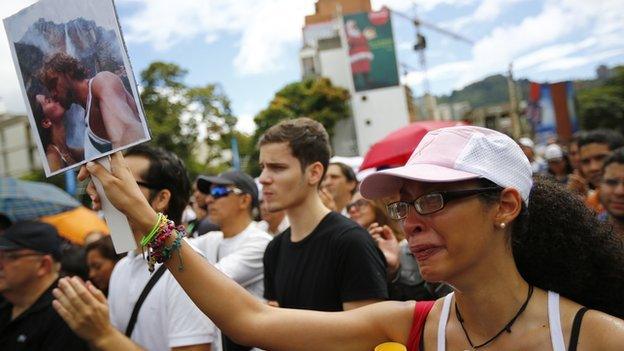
{"points": [[603, 106], [316, 98], [177, 114]]}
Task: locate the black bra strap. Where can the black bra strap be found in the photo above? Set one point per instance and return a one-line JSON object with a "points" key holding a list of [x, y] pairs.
{"points": [[576, 328]]}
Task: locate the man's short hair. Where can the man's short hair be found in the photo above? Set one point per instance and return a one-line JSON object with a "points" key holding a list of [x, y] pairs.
{"points": [[308, 140], [165, 171], [62, 63], [617, 156], [609, 137], [347, 172]]}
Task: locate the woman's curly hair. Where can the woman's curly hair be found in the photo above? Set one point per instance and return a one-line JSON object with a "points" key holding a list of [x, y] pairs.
{"points": [[560, 245]]}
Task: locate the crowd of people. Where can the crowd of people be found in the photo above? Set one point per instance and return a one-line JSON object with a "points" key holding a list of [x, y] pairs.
{"points": [[478, 242]]}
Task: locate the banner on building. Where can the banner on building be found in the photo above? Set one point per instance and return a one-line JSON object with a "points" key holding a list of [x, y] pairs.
{"points": [[371, 50], [551, 110]]}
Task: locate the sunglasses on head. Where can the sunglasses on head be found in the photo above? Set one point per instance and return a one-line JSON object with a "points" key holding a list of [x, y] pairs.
{"points": [[220, 191]]}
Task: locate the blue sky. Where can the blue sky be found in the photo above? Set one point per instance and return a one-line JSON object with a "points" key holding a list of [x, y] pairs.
{"points": [[251, 47]]}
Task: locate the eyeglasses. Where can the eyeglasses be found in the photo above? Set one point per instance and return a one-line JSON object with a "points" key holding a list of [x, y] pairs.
{"points": [[220, 191], [612, 182], [357, 204], [12, 256], [432, 202]]}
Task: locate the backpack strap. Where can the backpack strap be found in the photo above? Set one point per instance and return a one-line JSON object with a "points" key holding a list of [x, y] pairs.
{"points": [[576, 328], [146, 290], [421, 311]]}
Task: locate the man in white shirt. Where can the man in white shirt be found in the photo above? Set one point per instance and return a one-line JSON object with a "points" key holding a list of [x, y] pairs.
{"points": [[167, 319], [237, 250]]}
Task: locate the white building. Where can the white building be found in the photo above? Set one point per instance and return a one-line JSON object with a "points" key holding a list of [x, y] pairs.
{"points": [[18, 151], [325, 52]]}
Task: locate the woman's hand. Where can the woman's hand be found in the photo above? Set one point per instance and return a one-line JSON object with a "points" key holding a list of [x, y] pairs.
{"points": [[327, 199], [121, 190], [388, 244]]}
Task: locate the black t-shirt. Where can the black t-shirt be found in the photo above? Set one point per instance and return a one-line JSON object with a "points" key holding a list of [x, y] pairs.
{"points": [[338, 262], [37, 328]]}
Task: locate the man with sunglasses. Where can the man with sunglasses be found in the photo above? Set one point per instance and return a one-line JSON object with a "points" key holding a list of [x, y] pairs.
{"points": [[29, 268], [238, 248], [612, 191]]}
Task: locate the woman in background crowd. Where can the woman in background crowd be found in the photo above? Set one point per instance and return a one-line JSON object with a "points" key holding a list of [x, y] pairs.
{"points": [[101, 259]]}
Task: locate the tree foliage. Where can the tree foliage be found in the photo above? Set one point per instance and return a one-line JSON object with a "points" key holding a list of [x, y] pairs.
{"points": [[177, 114], [316, 98], [603, 106]]}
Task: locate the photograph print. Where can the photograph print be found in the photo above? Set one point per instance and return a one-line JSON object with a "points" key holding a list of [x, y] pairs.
{"points": [[77, 81]]}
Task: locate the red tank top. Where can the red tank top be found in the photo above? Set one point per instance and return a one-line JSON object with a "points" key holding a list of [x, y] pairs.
{"points": [[418, 324]]}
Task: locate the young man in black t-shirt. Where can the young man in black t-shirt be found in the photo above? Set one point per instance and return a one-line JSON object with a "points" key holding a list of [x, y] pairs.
{"points": [[324, 261]]}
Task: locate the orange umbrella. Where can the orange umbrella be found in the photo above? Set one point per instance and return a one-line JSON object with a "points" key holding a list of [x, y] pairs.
{"points": [[74, 225]]}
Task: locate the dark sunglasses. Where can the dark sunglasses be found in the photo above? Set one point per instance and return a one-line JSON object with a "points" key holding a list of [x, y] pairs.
{"points": [[148, 185], [220, 191]]}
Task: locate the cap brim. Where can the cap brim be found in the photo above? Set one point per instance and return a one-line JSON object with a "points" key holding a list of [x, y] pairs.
{"points": [[387, 182], [6, 244], [204, 183]]}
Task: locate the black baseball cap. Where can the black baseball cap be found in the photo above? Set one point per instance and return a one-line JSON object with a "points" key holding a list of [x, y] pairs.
{"points": [[37, 236], [239, 179]]}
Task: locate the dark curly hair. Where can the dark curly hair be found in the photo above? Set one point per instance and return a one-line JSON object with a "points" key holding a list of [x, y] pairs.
{"points": [[61, 63], [558, 244]]}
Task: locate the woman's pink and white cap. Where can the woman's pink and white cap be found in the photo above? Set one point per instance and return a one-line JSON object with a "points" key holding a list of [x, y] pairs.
{"points": [[454, 154]]}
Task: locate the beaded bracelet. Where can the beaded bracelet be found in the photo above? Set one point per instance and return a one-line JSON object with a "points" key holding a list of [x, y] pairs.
{"points": [[157, 251]]}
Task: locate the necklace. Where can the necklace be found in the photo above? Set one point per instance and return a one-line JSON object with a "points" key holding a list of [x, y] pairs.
{"points": [[506, 328]]}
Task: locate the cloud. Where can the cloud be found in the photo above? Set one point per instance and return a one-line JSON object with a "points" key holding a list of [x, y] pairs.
{"points": [[486, 11], [438, 72], [528, 41], [568, 63], [264, 28], [421, 5], [9, 89]]}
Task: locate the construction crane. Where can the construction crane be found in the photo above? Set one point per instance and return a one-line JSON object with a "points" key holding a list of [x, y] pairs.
{"points": [[419, 47]]}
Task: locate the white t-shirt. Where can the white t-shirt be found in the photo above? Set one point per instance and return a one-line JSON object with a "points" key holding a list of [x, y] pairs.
{"points": [[239, 257], [168, 318]]}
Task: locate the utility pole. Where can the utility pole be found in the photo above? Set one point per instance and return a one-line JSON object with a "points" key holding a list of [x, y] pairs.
{"points": [[513, 104]]}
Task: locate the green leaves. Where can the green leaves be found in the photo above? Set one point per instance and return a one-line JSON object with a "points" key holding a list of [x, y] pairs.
{"points": [[603, 106], [316, 98], [193, 122]]}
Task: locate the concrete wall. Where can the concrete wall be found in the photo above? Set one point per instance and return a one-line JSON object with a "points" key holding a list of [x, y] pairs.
{"points": [[377, 113]]}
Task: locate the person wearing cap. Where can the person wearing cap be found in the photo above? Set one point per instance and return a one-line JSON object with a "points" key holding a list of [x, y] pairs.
{"points": [[558, 165], [30, 255], [612, 191], [528, 147], [202, 224], [522, 255], [238, 248]]}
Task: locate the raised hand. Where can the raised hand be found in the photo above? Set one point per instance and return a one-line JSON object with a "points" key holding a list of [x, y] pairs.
{"points": [[122, 191], [388, 244], [84, 309]]}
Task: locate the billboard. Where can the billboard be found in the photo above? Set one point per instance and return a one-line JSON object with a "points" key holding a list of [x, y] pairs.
{"points": [[551, 110], [371, 50]]}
